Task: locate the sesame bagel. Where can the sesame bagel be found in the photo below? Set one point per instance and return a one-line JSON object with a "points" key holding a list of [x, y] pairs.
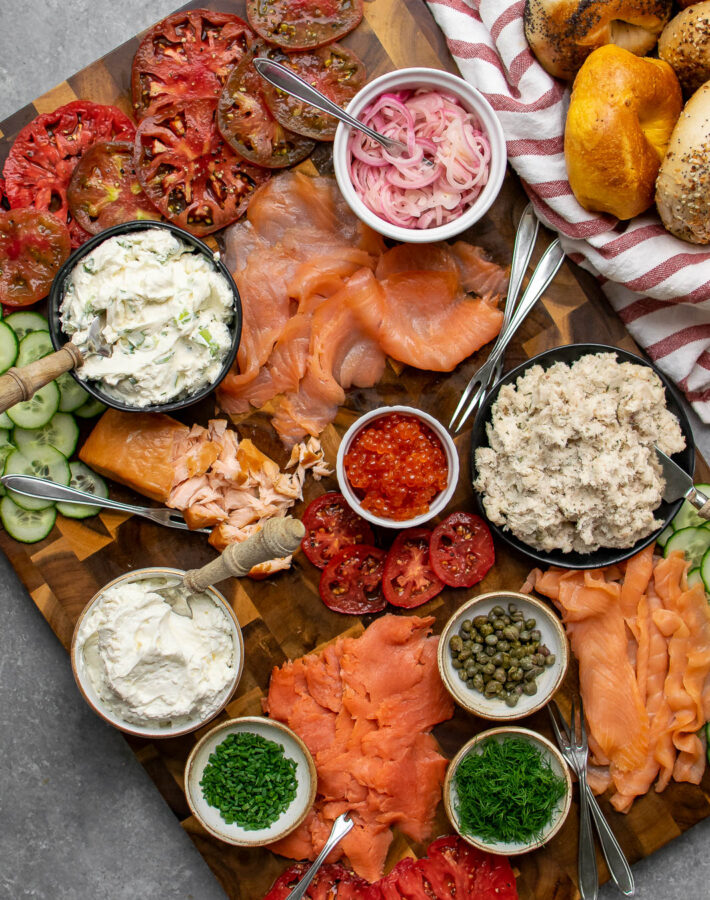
{"points": [[562, 33], [685, 44]]}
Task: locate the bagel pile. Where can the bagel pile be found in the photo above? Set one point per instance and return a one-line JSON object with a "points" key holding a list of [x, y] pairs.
{"points": [[629, 141]]}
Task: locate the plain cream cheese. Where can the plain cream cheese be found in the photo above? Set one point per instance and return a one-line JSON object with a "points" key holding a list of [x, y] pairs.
{"points": [[150, 665], [165, 312]]}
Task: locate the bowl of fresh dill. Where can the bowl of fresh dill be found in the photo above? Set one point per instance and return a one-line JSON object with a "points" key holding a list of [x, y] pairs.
{"points": [[507, 791]]}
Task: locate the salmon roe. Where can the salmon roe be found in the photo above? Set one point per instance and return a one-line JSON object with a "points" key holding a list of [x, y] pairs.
{"points": [[396, 465]]}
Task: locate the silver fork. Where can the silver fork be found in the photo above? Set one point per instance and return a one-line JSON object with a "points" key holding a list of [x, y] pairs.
{"points": [[341, 826], [619, 869], [541, 277], [30, 486]]}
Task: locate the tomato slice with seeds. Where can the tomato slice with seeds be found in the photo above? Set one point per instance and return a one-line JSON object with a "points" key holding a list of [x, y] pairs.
{"points": [[300, 24], [185, 57], [408, 579], [104, 189], [477, 874], [331, 525], [332, 881], [333, 70], [189, 173], [351, 583], [249, 127], [42, 159], [461, 550], [33, 247]]}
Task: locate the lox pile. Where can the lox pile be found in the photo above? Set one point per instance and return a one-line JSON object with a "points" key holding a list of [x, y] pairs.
{"points": [[642, 639], [364, 707], [325, 303]]}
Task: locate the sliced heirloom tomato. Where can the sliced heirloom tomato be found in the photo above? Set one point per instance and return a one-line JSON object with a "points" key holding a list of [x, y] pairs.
{"points": [[477, 874], [187, 56], [301, 24], [351, 583], [249, 127], [189, 173], [331, 525], [333, 70], [332, 882], [461, 550], [408, 579], [33, 246], [42, 159], [104, 189]]}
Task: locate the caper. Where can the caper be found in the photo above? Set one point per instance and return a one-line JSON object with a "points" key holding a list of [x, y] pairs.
{"points": [[526, 663], [512, 608], [530, 624], [498, 611], [550, 660], [491, 640], [504, 645], [471, 668], [466, 625], [464, 655], [516, 674], [499, 625], [491, 617], [480, 621], [524, 637], [497, 660], [512, 700], [489, 669], [532, 646], [456, 663], [481, 658], [536, 634], [545, 650], [462, 674], [456, 643], [517, 652], [538, 659], [478, 682], [486, 629], [506, 661], [490, 651], [476, 648], [509, 685], [467, 644], [511, 633], [517, 616], [530, 688], [506, 620], [533, 673], [500, 675], [493, 687]]}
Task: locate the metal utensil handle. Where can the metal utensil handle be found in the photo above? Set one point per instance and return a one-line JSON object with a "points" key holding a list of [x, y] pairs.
{"points": [[525, 238], [341, 827], [287, 81], [700, 502], [618, 866], [278, 537], [30, 486], [587, 862], [21, 384]]}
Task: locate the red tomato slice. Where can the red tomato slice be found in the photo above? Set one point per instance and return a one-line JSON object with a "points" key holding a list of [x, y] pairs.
{"points": [[478, 874], [41, 161], [248, 126], [186, 57], [331, 525], [409, 579], [3, 199], [351, 583], [333, 70], [189, 173], [332, 881], [300, 24], [33, 246], [461, 550], [104, 189]]}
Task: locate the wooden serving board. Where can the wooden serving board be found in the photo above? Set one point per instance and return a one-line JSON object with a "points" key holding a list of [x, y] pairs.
{"points": [[283, 617]]}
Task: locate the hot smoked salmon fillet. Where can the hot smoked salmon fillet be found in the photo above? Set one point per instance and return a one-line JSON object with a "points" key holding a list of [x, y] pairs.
{"points": [[364, 707]]}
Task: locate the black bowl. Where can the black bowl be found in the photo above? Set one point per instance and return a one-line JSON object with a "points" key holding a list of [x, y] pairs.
{"points": [[603, 556], [56, 296]]}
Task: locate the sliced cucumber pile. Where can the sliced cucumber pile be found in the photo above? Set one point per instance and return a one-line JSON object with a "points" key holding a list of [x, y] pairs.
{"points": [[691, 534], [38, 435]]}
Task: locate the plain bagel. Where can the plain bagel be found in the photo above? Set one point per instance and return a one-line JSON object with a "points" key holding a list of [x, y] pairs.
{"points": [[683, 186], [562, 33], [621, 115], [685, 44]]}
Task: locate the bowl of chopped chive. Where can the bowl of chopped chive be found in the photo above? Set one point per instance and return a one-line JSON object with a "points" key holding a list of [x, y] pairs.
{"points": [[250, 781], [507, 791], [503, 655]]}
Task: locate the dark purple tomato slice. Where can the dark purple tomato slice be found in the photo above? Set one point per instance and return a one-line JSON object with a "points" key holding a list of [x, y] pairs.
{"points": [[331, 525], [333, 70], [249, 128], [351, 583], [33, 246], [300, 24], [409, 579]]}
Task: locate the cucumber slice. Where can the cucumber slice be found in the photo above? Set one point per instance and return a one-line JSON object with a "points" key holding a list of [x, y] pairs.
{"points": [[707, 740], [8, 347], [34, 346], [687, 516], [91, 408], [38, 410], [692, 541], [6, 449], [71, 394], [24, 322], [44, 462], [83, 479], [704, 571], [6, 421], [26, 525], [61, 432], [694, 577], [664, 535]]}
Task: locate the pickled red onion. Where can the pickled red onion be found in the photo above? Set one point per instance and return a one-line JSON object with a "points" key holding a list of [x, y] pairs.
{"points": [[404, 190]]}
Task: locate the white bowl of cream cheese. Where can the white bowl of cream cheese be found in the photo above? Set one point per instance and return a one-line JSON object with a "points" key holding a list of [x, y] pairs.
{"points": [[148, 670]]}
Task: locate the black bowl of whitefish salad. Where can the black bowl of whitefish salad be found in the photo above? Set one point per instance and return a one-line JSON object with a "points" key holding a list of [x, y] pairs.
{"points": [[562, 456], [168, 308]]}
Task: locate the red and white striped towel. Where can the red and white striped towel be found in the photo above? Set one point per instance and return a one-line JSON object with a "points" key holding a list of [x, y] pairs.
{"points": [[659, 285]]}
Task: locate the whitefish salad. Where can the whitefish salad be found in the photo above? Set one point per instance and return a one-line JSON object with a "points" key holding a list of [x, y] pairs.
{"points": [[164, 310]]}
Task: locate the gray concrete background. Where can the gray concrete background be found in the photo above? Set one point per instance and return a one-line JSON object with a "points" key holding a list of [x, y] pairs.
{"points": [[79, 817]]}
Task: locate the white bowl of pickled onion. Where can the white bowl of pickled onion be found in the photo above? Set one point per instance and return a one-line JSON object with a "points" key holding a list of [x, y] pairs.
{"points": [[437, 114]]}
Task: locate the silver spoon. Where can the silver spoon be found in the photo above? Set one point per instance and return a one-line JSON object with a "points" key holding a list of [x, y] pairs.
{"points": [[342, 825], [286, 80]]}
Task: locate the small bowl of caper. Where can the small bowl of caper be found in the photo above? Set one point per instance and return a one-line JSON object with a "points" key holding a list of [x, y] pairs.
{"points": [[503, 655]]}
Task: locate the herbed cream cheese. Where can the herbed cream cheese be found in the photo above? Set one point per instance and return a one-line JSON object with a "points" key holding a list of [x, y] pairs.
{"points": [[148, 664], [571, 464], [164, 311]]}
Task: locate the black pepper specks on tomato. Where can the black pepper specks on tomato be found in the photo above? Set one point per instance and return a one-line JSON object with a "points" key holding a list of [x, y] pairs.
{"points": [[461, 550]]}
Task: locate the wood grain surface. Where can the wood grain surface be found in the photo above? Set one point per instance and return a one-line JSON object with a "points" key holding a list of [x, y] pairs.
{"points": [[283, 617]]}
